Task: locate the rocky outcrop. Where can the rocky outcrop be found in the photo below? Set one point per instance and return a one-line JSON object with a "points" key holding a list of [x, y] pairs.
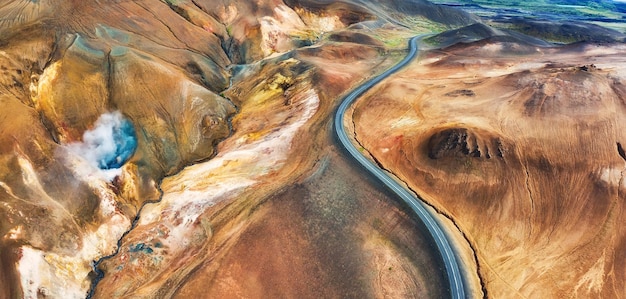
{"points": [[463, 142]]}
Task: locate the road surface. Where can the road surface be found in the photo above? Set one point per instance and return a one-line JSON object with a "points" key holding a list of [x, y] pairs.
{"points": [[457, 288]]}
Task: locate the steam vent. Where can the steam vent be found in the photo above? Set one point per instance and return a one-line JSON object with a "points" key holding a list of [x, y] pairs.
{"points": [[312, 149], [110, 143]]}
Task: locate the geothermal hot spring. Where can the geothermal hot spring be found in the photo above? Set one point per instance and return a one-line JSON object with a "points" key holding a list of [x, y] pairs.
{"points": [[107, 146]]}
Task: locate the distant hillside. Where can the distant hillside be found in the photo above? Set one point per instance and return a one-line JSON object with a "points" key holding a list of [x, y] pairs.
{"points": [[608, 14]]}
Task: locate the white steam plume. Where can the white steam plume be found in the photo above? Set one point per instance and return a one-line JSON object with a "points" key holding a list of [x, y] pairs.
{"points": [[108, 145]]}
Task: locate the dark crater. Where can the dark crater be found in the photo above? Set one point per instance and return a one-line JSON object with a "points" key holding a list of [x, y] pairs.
{"points": [[461, 92], [462, 142]]}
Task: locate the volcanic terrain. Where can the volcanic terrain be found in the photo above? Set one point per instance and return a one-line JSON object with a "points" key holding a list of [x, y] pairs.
{"points": [[185, 148]]}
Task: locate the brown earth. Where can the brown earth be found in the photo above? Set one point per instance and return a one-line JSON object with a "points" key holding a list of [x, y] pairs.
{"points": [[522, 148], [304, 243]]}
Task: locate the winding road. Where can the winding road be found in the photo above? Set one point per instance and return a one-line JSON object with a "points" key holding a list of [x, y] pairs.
{"points": [[457, 288]]}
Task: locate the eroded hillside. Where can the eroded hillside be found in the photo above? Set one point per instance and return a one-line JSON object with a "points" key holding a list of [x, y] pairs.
{"points": [[521, 147]]}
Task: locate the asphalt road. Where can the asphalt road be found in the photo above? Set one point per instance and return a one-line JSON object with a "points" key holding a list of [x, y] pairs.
{"points": [[457, 289]]}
